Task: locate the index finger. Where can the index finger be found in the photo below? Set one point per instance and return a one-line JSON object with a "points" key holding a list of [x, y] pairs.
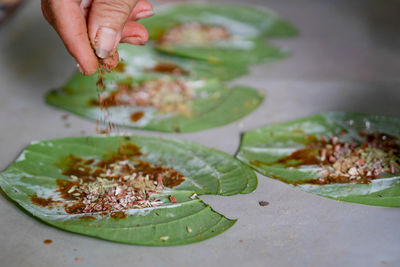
{"points": [[70, 24]]}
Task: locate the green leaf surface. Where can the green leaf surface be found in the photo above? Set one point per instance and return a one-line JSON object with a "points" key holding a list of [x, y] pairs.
{"points": [[207, 171], [214, 104], [252, 52], [261, 148], [139, 60], [247, 26]]}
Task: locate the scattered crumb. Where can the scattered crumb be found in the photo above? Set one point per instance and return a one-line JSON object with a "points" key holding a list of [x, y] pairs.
{"points": [[263, 203], [172, 199], [164, 238], [67, 125], [48, 241], [64, 116], [240, 241], [78, 259]]}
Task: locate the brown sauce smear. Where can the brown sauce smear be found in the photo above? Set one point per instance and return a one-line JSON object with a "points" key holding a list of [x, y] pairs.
{"points": [[300, 157], [137, 116], [43, 202], [118, 215], [168, 68], [87, 218]]}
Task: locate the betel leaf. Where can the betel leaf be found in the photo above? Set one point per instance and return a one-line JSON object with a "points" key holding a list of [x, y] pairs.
{"points": [[248, 52], [144, 61], [213, 104], [250, 21], [262, 149], [206, 171], [247, 26]]}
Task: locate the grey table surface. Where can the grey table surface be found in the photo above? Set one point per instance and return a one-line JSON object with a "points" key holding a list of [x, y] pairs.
{"points": [[347, 57]]}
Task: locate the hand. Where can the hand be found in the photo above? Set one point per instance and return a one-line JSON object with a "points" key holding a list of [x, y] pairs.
{"points": [[92, 29]]}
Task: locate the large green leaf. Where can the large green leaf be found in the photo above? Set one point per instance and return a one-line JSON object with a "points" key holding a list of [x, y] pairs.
{"points": [[262, 148], [207, 171], [213, 105], [252, 52], [247, 26], [140, 60]]}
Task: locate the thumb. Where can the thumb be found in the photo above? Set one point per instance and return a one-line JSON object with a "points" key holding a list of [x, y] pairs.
{"points": [[106, 20]]}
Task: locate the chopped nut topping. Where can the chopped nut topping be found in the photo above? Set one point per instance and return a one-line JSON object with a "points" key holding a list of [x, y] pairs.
{"points": [[172, 199], [344, 162], [164, 94], [113, 185], [164, 238]]}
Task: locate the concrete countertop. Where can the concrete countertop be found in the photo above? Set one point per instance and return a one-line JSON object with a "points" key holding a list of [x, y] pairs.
{"points": [[347, 57]]}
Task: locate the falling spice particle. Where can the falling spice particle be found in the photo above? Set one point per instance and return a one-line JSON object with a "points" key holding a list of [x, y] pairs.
{"points": [[47, 241], [164, 238], [120, 67], [172, 199], [263, 203], [78, 259]]}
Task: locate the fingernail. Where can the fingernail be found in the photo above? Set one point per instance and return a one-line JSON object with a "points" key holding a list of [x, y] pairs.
{"points": [[105, 41], [144, 14], [80, 68], [133, 40]]}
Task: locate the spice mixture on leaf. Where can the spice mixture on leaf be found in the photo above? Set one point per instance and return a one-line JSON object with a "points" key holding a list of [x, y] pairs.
{"points": [[107, 186], [349, 162], [138, 190], [164, 94], [194, 33], [347, 156]]}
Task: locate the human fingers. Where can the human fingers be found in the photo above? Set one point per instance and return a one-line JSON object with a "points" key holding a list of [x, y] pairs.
{"points": [[106, 22], [68, 20]]}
